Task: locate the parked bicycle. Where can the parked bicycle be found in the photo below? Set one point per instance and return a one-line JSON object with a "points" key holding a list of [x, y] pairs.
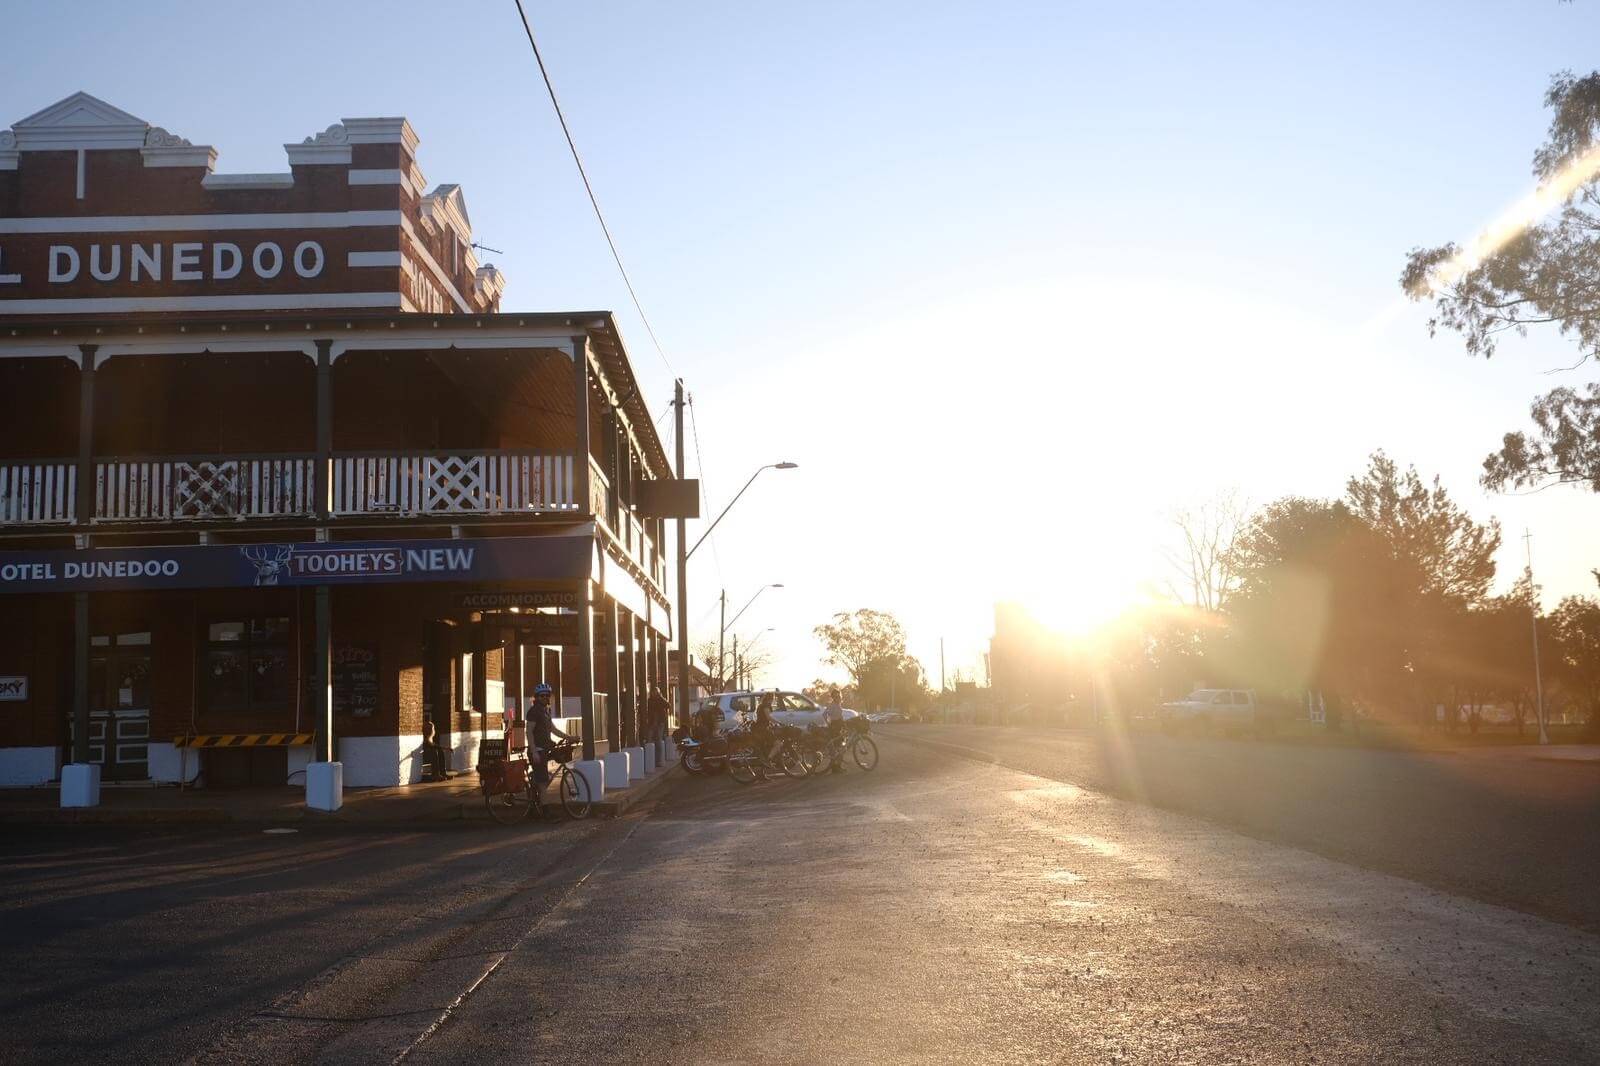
{"points": [[829, 747], [786, 757]]}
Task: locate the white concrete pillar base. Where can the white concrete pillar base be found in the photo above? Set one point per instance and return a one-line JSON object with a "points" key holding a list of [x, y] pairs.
{"points": [[649, 757], [324, 786], [594, 772], [616, 768], [635, 763], [668, 750], [80, 784]]}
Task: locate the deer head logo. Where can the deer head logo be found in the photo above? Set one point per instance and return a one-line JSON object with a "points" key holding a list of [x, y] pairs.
{"points": [[270, 561]]}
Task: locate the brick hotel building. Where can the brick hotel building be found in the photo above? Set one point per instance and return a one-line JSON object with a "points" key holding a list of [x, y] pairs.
{"points": [[278, 476]]}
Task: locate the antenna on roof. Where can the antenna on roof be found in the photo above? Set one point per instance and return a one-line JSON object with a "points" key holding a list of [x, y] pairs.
{"points": [[486, 248]]}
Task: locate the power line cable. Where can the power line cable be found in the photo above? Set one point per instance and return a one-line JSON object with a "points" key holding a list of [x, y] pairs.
{"points": [[705, 499], [593, 201]]}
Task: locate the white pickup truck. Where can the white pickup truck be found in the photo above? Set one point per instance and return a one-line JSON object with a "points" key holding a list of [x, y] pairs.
{"points": [[1227, 709]]}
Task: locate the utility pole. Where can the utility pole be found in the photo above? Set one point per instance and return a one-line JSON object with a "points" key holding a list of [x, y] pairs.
{"points": [[1533, 607], [683, 572], [941, 666], [736, 661], [722, 638]]}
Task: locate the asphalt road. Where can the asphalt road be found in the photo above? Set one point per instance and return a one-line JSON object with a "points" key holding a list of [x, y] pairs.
{"points": [[1497, 824], [937, 909]]}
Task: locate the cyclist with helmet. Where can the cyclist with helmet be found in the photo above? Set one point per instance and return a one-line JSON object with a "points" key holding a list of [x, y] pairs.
{"points": [[542, 732]]}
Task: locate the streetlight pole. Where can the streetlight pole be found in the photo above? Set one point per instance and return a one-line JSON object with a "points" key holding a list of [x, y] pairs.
{"points": [[722, 635], [683, 573], [748, 648], [1533, 607], [683, 556], [785, 465]]}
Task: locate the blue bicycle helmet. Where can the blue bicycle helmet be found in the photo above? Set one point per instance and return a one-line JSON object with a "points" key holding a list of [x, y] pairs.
{"points": [[542, 689]]}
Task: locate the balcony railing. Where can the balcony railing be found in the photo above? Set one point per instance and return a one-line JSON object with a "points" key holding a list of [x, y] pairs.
{"points": [[170, 489], [452, 483], [38, 492], [244, 487], [599, 492]]}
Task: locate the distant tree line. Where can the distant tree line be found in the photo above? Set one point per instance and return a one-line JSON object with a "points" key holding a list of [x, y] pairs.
{"points": [[1379, 600]]}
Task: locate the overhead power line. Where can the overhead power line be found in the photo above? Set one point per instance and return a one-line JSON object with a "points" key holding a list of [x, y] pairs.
{"points": [[700, 468], [593, 201]]}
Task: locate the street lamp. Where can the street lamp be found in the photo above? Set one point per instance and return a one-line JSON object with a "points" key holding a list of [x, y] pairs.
{"points": [[747, 649], [683, 556], [770, 466], [722, 633]]}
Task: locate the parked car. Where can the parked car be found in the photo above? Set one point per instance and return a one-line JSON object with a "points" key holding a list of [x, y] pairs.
{"points": [[1228, 709], [888, 717], [738, 709]]}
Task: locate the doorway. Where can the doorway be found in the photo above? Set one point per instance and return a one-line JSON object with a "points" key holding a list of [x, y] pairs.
{"points": [[439, 681], [119, 706]]}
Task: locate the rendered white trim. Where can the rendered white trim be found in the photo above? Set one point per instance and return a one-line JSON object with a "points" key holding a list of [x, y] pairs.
{"points": [[376, 177], [80, 121], [317, 155], [397, 760], [388, 130], [179, 155], [247, 181], [24, 767], [374, 259], [170, 764], [186, 223], [288, 301]]}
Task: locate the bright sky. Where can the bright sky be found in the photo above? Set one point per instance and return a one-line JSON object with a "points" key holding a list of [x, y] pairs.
{"points": [[1009, 281]]}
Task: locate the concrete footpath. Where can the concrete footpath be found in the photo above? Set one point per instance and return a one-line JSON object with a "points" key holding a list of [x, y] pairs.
{"points": [[437, 803]]}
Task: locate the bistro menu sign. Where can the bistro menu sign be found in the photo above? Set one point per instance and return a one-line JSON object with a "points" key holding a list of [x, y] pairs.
{"points": [[296, 564]]}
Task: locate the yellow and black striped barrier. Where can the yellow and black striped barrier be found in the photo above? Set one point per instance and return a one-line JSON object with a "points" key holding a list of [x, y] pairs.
{"points": [[243, 740]]}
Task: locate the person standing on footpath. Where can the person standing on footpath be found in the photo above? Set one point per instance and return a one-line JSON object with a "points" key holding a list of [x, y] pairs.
{"points": [[657, 709]]}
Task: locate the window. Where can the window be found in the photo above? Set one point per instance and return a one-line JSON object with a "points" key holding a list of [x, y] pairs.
{"points": [[246, 666], [1221, 697], [795, 702]]}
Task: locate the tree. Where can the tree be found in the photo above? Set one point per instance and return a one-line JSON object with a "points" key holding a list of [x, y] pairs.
{"points": [[893, 682], [705, 652], [854, 641], [1452, 554], [1318, 605], [1201, 557], [1575, 626], [1547, 273]]}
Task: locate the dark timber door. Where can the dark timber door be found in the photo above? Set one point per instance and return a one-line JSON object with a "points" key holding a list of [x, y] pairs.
{"points": [[119, 705]]}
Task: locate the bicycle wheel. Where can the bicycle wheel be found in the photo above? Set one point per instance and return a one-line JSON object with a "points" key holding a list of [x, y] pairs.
{"points": [[814, 760], [691, 762], [573, 788], [742, 768], [791, 762], [864, 750], [509, 808]]}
